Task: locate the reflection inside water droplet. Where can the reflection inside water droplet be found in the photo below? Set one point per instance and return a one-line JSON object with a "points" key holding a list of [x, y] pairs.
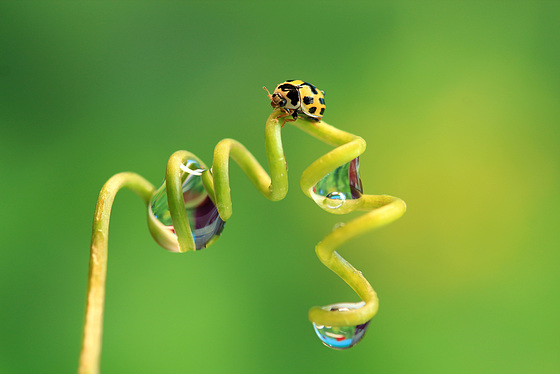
{"points": [[204, 220], [341, 184], [341, 337], [335, 200]]}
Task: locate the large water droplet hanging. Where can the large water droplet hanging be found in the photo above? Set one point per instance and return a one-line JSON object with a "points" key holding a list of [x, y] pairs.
{"points": [[341, 337], [341, 184], [204, 220]]}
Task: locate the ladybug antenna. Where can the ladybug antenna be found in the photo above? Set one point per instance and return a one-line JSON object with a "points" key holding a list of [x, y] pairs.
{"points": [[264, 88]]}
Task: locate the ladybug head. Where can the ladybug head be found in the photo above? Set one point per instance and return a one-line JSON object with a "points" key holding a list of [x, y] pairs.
{"points": [[277, 100]]}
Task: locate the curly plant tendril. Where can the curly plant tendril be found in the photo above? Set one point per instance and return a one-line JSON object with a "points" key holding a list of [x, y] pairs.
{"points": [[382, 209], [193, 192], [93, 325]]}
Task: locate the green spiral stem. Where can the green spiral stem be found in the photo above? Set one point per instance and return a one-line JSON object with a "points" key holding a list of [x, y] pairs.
{"points": [[380, 210]]}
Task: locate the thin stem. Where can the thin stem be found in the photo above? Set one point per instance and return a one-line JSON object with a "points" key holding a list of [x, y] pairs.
{"points": [[381, 211], [379, 215], [273, 187], [174, 178], [93, 326]]}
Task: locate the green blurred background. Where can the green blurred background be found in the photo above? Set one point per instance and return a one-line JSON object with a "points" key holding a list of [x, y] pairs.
{"points": [[459, 104]]}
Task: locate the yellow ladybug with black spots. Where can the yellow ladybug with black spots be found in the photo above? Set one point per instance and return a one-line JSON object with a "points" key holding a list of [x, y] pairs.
{"points": [[297, 97]]}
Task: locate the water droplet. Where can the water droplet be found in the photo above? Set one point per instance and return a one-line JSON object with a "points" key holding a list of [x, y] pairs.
{"points": [[341, 337], [342, 183], [335, 200], [338, 225], [204, 220]]}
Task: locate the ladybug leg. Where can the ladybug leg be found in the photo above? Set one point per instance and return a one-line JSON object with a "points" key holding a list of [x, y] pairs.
{"points": [[287, 113], [294, 117], [287, 120]]}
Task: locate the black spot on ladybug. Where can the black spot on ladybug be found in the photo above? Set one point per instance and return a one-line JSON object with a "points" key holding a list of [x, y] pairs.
{"points": [[290, 80], [286, 87], [308, 100], [312, 110], [313, 89], [322, 101], [293, 96], [322, 111]]}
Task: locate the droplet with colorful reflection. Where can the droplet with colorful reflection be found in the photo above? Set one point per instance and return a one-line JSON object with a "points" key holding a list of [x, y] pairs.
{"points": [[204, 220], [341, 184], [341, 337]]}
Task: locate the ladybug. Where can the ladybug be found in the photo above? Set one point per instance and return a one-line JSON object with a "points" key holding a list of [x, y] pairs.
{"points": [[297, 97]]}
